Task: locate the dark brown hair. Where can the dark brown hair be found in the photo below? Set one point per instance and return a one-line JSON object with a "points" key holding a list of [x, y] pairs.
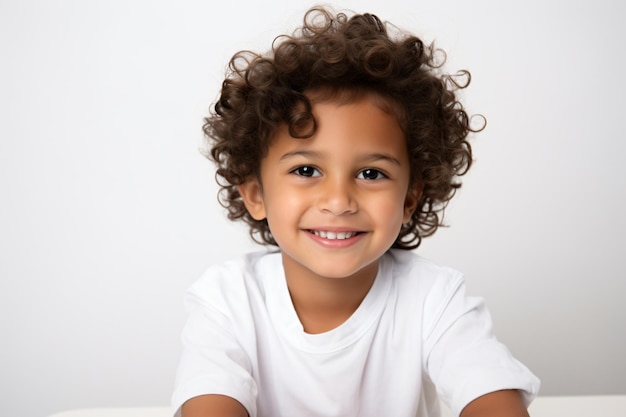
{"points": [[337, 53]]}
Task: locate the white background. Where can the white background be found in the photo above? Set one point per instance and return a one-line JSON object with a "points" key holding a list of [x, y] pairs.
{"points": [[108, 211]]}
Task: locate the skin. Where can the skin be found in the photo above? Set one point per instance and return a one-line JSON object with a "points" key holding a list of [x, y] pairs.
{"points": [[350, 180], [351, 177], [213, 405], [505, 403]]}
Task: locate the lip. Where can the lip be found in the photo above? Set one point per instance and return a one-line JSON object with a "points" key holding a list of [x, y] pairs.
{"points": [[335, 243]]}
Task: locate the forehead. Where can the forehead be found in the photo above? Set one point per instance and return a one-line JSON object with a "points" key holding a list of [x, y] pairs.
{"points": [[359, 125], [345, 96], [303, 124]]}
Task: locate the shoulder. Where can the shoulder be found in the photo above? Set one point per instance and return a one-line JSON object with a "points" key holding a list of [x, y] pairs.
{"points": [[425, 285], [409, 268], [230, 282]]}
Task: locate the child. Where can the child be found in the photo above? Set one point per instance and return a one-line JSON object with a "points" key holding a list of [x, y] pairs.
{"points": [[341, 147]]}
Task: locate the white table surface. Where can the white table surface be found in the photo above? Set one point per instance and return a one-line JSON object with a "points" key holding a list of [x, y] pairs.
{"points": [[579, 406], [546, 406]]}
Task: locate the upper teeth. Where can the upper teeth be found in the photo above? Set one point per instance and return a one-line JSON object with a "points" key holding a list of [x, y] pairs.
{"points": [[333, 235]]}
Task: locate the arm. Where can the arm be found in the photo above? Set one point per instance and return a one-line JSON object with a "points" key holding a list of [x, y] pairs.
{"points": [[213, 405], [506, 403]]}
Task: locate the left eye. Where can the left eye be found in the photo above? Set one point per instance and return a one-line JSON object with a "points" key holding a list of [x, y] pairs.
{"points": [[370, 174], [306, 171]]}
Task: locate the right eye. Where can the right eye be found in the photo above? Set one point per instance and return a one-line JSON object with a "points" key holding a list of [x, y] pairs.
{"points": [[306, 171]]}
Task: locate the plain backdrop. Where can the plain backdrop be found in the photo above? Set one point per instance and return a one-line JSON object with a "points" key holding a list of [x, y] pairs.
{"points": [[108, 211]]}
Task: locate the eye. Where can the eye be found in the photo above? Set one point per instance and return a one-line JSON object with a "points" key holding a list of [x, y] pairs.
{"points": [[371, 174], [306, 171]]}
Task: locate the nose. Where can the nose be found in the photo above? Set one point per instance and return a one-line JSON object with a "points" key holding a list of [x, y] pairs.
{"points": [[337, 196]]}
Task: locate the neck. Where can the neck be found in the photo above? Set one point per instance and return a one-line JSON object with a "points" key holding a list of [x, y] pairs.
{"points": [[323, 303]]}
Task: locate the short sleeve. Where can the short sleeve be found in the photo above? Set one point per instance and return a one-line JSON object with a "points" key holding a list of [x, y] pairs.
{"points": [[464, 358], [212, 360]]}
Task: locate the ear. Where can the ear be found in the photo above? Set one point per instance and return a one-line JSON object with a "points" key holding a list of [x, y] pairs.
{"points": [[411, 200], [252, 195]]}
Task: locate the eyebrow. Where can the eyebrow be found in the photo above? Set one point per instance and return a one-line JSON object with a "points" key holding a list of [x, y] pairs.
{"points": [[367, 158], [382, 157], [308, 154]]}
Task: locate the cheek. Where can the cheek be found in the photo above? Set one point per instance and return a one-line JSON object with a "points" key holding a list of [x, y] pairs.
{"points": [[391, 209], [285, 203]]}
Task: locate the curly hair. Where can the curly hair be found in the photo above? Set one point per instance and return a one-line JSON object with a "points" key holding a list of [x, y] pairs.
{"points": [[336, 53]]}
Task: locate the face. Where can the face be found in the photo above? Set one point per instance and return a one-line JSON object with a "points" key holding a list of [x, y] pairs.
{"points": [[335, 202]]}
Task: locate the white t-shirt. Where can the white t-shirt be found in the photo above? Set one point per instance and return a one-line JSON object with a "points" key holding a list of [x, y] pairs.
{"points": [[415, 336]]}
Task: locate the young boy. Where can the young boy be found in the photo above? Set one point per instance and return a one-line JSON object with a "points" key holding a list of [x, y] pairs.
{"points": [[341, 147]]}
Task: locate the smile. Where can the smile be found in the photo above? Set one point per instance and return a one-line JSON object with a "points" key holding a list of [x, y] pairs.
{"points": [[333, 235]]}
